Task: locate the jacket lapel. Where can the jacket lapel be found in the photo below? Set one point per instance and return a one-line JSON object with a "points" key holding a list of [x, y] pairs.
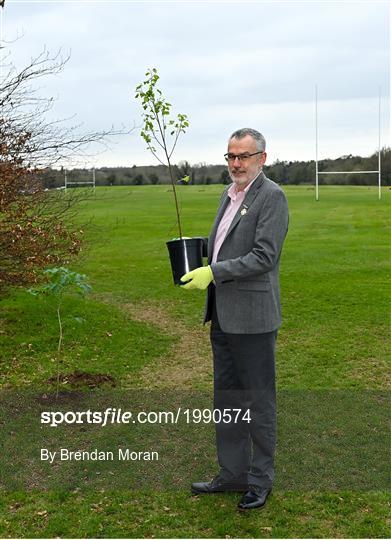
{"points": [[248, 200]]}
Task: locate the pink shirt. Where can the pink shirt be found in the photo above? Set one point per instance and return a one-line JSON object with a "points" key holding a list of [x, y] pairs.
{"points": [[237, 198]]}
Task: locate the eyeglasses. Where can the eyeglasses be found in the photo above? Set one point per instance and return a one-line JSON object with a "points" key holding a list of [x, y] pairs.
{"points": [[241, 157]]}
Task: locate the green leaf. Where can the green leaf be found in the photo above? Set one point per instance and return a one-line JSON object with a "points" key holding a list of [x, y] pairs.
{"points": [[33, 292]]}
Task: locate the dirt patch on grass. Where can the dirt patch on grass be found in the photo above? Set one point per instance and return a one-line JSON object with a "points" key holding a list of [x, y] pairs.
{"points": [[373, 372], [82, 378], [188, 362]]}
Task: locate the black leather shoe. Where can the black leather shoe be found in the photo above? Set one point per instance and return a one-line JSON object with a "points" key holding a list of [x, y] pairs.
{"points": [[254, 499], [217, 486]]}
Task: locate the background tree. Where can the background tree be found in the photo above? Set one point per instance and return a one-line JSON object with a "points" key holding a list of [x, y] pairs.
{"points": [[184, 169], [112, 179], [153, 178], [128, 175], [225, 177], [138, 180], [36, 226]]}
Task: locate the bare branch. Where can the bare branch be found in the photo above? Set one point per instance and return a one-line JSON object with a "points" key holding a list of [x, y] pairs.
{"points": [[37, 227]]}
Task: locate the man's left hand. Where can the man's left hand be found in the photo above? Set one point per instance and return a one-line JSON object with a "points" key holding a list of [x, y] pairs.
{"points": [[200, 278]]}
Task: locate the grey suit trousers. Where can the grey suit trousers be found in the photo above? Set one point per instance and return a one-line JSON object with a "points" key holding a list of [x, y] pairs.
{"points": [[244, 377]]}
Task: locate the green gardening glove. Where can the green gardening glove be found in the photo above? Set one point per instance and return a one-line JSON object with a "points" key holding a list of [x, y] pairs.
{"points": [[200, 278]]}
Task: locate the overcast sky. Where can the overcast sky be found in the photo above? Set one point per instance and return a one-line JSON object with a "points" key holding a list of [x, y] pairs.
{"points": [[224, 64]]}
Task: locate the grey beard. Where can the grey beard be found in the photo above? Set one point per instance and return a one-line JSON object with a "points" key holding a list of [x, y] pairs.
{"points": [[233, 178]]}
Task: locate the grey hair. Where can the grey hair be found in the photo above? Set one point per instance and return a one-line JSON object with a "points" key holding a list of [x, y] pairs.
{"points": [[256, 135]]}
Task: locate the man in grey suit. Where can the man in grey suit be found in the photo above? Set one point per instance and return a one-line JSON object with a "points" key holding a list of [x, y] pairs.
{"points": [[243, 303]]}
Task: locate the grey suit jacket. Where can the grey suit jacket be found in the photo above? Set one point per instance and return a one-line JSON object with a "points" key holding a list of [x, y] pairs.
{"points": [[246, 271]]}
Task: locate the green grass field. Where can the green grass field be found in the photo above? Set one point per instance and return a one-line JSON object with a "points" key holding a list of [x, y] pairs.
{"points": [[147, 335]]}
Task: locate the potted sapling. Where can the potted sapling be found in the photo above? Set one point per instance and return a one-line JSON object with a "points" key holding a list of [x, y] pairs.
{"points": [[161, 131]]}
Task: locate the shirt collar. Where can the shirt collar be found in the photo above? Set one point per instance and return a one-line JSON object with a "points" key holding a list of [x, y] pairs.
{"points": [[233, 193]]}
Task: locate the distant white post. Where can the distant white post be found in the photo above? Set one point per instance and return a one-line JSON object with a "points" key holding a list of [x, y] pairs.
{"points": [[79, 183], [316, 145], [317, 172], [379, 153]]}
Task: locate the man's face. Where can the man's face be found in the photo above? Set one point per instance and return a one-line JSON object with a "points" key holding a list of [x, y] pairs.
{"points": [[242, 172]]}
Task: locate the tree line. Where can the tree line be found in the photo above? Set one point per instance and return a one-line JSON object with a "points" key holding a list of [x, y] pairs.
{"points": [[282, 172]]}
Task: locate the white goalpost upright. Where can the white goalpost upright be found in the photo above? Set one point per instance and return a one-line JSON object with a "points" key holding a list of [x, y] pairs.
{"points": [[90, 182], [317, 172]]}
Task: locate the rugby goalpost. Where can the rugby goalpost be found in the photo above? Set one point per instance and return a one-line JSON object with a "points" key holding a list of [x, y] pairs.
{"points": [[317, 172], [90, 182]]}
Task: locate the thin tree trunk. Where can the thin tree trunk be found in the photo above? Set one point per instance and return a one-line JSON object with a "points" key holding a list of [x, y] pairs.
{"points": [[58, 349]]}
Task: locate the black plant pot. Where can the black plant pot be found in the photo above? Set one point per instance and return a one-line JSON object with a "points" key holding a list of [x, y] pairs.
{"points": [[185, 255]]}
